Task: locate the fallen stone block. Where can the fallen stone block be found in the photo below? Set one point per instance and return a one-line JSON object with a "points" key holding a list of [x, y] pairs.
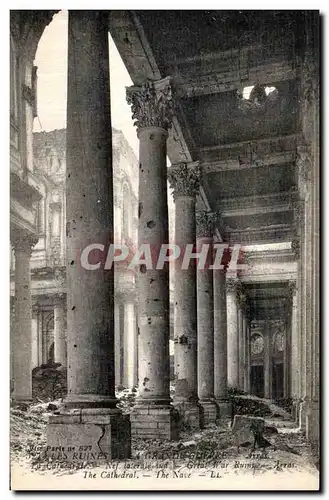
{"points": [[246, 429]]}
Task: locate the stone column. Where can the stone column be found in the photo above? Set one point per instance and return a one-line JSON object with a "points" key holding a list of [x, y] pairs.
{"points": [[246, 328], [232, 286], [89, 212], [117, 343], [294, 351], [59, 334], [220, 342], [153, 416], [268, 362], [303, 164], [242, 338], [22, 328], [130, 345], [184, 179], [205, 314]]}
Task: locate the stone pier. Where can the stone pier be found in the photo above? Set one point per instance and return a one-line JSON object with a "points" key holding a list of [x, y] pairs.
{"points": [[59, 333], [241, 298], [232, 286], [220, 343], [205, 314], [184, 179], [153, 416], [246, 328], [91, 417], [130, 345], [21, 349]]}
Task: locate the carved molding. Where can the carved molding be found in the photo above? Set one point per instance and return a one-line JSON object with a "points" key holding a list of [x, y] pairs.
{"points": [[151, 104], [206, 223], [185, 179]]}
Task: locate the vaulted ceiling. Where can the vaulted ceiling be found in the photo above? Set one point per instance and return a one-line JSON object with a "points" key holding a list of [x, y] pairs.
{"points": [[235, 78], [247, 147]]}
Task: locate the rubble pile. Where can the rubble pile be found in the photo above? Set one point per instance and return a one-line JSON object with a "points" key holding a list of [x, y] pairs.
{"points": [[49, 382]]}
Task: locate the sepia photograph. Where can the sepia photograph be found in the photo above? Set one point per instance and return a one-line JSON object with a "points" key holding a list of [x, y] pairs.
{"points": [[164, 250]]}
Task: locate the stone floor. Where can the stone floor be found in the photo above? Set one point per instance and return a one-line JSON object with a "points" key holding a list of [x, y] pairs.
{"points": [[215, 454]]}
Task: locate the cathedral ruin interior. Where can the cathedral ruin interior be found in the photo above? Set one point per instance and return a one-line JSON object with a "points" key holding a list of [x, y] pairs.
{"points": [[226, 109]]}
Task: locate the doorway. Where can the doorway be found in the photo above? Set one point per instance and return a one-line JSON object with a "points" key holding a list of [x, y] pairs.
{"points": [[257, 380]]}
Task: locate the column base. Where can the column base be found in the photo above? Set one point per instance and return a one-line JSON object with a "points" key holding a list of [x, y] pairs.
{"points": [[150, 421], [93, 436], [224, 409], [190, 415], [21, 400], [209, 412]]}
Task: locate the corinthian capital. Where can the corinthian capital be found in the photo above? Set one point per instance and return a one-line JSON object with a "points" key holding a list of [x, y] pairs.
{"points": [[23, 241], [151, 104], [205, 223], [185, 179]]}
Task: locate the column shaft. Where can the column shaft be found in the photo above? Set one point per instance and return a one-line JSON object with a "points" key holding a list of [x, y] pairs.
{"points": [[220, 341], [22, 331], [185, 308], [205, 337], [153, 284], [89, 211], [232, 339], [153, 414], [130, 345], [185, 181], [241, 347], [246, 378], [59, 334], [117, 344]]}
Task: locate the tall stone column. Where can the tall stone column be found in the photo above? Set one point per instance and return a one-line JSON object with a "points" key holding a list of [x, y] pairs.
{"points": [[220, 342], [268, 362], [130, 345], [59, 334], [22, 329], [184, 178], [89, 212], [117, 343], [205, 315], [294, 351], [242, 338], [303, 163], [153, 416], [246, 378], [232, 285]]}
